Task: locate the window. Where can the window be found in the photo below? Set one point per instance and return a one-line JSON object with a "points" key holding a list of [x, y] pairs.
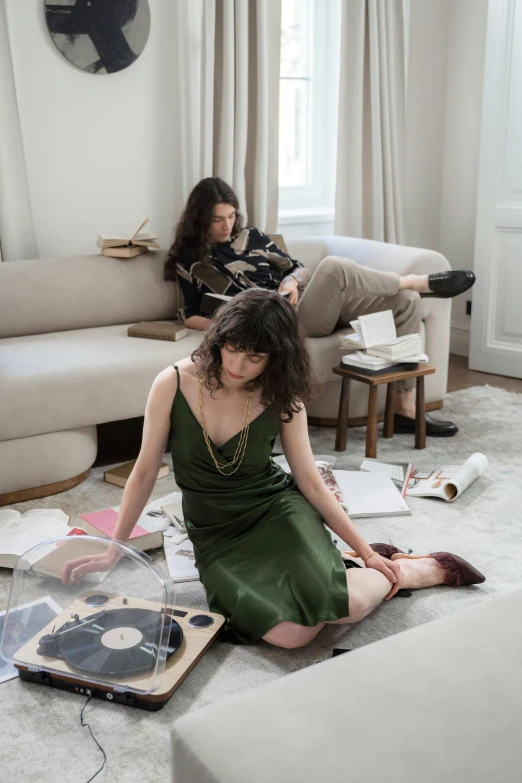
{"points": [[309, 84]]}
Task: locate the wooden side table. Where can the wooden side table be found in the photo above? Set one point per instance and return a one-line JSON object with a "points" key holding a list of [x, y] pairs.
{"points": [[373, 381]]}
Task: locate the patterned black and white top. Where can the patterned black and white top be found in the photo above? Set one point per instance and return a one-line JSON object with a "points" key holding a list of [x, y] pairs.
{"points": [[252, 259]]}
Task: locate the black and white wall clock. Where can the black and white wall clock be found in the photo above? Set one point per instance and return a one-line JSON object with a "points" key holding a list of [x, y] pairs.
{"points": [[99, 36]]}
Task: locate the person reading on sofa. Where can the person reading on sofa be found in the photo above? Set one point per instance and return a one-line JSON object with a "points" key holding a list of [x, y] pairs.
{"points": [[213, 253], [264, 555]]}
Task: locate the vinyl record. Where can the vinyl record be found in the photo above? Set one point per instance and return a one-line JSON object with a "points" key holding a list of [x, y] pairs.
{"points": [[118, 641]]}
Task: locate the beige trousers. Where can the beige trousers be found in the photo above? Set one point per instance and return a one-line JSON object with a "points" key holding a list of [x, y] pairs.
{"points": [[340, 290]]}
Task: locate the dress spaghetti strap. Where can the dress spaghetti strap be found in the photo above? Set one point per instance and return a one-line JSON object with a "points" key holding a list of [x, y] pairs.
{"points": [[179, 384]]}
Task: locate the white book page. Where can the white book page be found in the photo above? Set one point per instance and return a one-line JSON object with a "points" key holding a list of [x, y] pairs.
{"points": [[7, 515], [21, 534], [377, 328], [369, 494], [393, 471], [153, 517], [356, 326], [47, 513], [180, 560], [138, 224]]}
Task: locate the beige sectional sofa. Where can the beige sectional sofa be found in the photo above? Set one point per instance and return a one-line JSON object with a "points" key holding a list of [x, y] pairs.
{"points": [[67, 364], [439, 702]]}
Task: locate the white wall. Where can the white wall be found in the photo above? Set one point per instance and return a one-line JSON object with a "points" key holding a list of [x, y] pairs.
{"points": [[99, 149], [425, 108], [466, 53], [445, 77]]}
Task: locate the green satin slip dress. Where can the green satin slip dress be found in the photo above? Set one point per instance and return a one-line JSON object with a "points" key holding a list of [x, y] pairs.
{"points": [[262, 551]]}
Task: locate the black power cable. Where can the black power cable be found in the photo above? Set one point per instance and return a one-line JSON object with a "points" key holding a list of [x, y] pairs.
{"points": [[94, 738]]}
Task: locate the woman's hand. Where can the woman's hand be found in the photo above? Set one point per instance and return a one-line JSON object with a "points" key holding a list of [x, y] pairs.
{"points": [[390, 569], [74, 569], [291, 285]]}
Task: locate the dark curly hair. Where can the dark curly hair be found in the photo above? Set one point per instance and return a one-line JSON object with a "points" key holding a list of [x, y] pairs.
{"points": [[193, 227], [261, 321]]}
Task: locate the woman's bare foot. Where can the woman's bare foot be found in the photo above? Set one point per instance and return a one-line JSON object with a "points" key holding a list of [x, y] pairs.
{"points": [[420, 572], [417, 283]]}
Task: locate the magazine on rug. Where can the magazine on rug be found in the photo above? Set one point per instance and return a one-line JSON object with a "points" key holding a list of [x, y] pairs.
{"points": [[30, 618], [361, 494], [447, 482]]}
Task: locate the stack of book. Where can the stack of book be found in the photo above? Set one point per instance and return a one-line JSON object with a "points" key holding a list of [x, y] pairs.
{"points": [[377, 349], [136, 241]]}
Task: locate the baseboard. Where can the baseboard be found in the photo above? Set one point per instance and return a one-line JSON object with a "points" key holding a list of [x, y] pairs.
{"points": [[33, 493], [459, 340]]}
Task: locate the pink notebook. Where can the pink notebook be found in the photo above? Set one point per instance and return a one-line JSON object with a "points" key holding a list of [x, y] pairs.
{"points": [[105, 522]]}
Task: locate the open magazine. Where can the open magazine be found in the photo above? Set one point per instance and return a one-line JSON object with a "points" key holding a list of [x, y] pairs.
{"points": [[360, 494], [447, 482]]}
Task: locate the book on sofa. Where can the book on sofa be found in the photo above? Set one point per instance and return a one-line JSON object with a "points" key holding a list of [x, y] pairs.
{"points": [[134, 236], [158, 330], [20, 532]]}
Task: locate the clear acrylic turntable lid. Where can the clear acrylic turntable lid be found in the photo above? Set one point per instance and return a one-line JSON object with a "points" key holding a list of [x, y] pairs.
{"points": [[112, 626]]}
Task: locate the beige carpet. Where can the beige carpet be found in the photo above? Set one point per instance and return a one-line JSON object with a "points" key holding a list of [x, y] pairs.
{"points": [[41, 735]]}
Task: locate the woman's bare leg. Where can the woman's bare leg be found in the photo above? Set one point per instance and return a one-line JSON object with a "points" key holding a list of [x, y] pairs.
{"points": [[367, 588]]}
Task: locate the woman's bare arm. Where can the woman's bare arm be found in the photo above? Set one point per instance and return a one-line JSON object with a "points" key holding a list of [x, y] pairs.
{"points": [[298, 452], [141, 481], [198, 322], [156, 429]]}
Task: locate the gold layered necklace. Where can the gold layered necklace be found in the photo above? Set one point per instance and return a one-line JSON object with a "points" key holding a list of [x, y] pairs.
{"points": [[243, 435]]}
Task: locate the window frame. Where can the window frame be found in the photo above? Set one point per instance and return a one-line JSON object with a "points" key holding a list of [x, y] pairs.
{"points": [[317, 198]]}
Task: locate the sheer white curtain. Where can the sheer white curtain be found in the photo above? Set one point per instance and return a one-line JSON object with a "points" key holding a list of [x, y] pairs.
{"points": [[372, 96], [228, 66], [17, 240]]}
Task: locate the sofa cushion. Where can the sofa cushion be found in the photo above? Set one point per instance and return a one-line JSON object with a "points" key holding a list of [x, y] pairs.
{"points": [[51, 295], [65, 380], [440, 702]]}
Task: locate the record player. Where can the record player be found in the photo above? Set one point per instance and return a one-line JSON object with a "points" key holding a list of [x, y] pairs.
{"points": [[118, 635]]}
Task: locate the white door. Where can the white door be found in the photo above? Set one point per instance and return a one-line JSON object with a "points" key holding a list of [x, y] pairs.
{"points": [[496, 323]]}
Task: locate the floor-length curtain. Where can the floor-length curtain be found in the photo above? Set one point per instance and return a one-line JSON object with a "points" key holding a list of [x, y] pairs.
{"points": [[372, 95], [17, 239], [228, 66]]}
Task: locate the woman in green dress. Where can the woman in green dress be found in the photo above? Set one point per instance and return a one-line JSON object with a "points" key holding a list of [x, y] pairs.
{"points": [[263, 553]]}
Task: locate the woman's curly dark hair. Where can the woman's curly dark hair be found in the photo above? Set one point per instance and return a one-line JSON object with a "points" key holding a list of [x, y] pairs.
{"points": [[261, 321], [192, 230]]}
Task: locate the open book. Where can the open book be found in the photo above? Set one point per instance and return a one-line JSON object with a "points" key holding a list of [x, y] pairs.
{"points": [[376, 333], [360, 494], [20, 532], [135, 237], [399, 472], [447, 482]]}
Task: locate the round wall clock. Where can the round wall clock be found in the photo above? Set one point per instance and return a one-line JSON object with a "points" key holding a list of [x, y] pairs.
{"points": [[99, 36]]}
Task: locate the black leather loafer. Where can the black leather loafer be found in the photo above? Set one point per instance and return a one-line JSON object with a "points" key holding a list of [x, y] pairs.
{"points": [[447, 284], [437, 428]]}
